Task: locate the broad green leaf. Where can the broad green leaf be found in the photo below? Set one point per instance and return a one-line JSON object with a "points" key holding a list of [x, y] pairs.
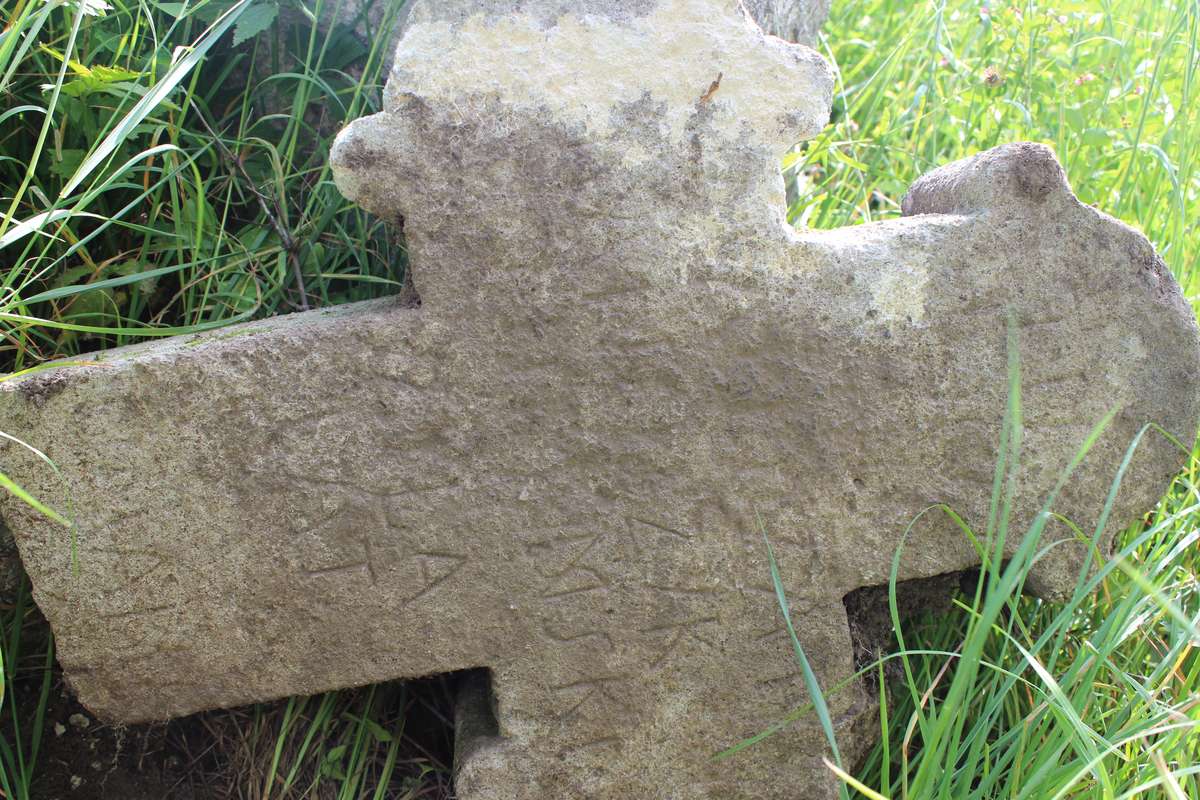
{"points": [[173, 9], [255, 20], [378, 731]]}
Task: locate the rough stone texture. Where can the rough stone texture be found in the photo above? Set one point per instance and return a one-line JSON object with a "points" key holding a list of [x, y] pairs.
{"points": [[552, 465]]}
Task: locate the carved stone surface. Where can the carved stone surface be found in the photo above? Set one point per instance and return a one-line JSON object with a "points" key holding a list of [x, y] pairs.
{"points": [[551, 465]]}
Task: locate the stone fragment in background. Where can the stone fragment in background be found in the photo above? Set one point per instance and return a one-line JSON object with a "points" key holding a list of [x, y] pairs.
{"points": [[552, 467], [794, 20]]}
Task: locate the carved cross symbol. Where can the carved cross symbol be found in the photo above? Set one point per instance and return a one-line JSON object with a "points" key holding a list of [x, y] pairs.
{"points": [[551, 465]]}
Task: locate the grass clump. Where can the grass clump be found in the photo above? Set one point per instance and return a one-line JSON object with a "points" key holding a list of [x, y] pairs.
{"points": [[28, 666], [390, 741], [166, 171], [1098, 698]]}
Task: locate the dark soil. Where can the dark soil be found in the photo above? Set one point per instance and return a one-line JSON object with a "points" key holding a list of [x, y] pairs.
{"points": [[82, 759], [216, 755], [871, 629]]}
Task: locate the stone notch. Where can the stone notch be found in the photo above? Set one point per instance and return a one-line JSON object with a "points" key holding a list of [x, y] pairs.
{"points": [[551, 466]]}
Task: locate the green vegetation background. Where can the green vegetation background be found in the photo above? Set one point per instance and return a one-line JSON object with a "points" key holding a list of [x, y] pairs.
{"points": [[163, 169]]}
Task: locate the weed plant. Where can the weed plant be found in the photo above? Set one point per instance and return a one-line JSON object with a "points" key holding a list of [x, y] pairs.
{"points": [[29, 662], [348, 745], [163, 170]]}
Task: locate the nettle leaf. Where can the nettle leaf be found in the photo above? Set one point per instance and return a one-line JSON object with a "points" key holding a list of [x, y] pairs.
{"points": [[72, 275], [96, 307], [211, 11], [114, 74], [82, 87], [331, 765], [254, 20]]}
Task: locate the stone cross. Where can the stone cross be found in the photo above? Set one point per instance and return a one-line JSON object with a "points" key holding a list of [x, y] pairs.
{"points": [[549, 459]]}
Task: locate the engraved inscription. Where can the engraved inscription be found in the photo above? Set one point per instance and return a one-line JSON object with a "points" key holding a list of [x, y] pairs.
{"points": [[365, 565], [435, 569], [135, 563], [676, 634], [559, 635], [655, 526], [364, 543], [146, 640], [599, 695], [568, 574]]}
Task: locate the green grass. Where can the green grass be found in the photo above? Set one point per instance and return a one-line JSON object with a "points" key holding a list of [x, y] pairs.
{"points": [[1110, 84], [334, 746], [163, 170], [161, 187], [28, 662], [1098, 698]]}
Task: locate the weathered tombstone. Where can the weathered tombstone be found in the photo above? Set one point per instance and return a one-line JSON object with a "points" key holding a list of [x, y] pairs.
{"points": [[550, 463]]}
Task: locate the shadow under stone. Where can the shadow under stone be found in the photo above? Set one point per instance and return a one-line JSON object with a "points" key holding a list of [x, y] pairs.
{"points": [[228, 753], [871, 631]]}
